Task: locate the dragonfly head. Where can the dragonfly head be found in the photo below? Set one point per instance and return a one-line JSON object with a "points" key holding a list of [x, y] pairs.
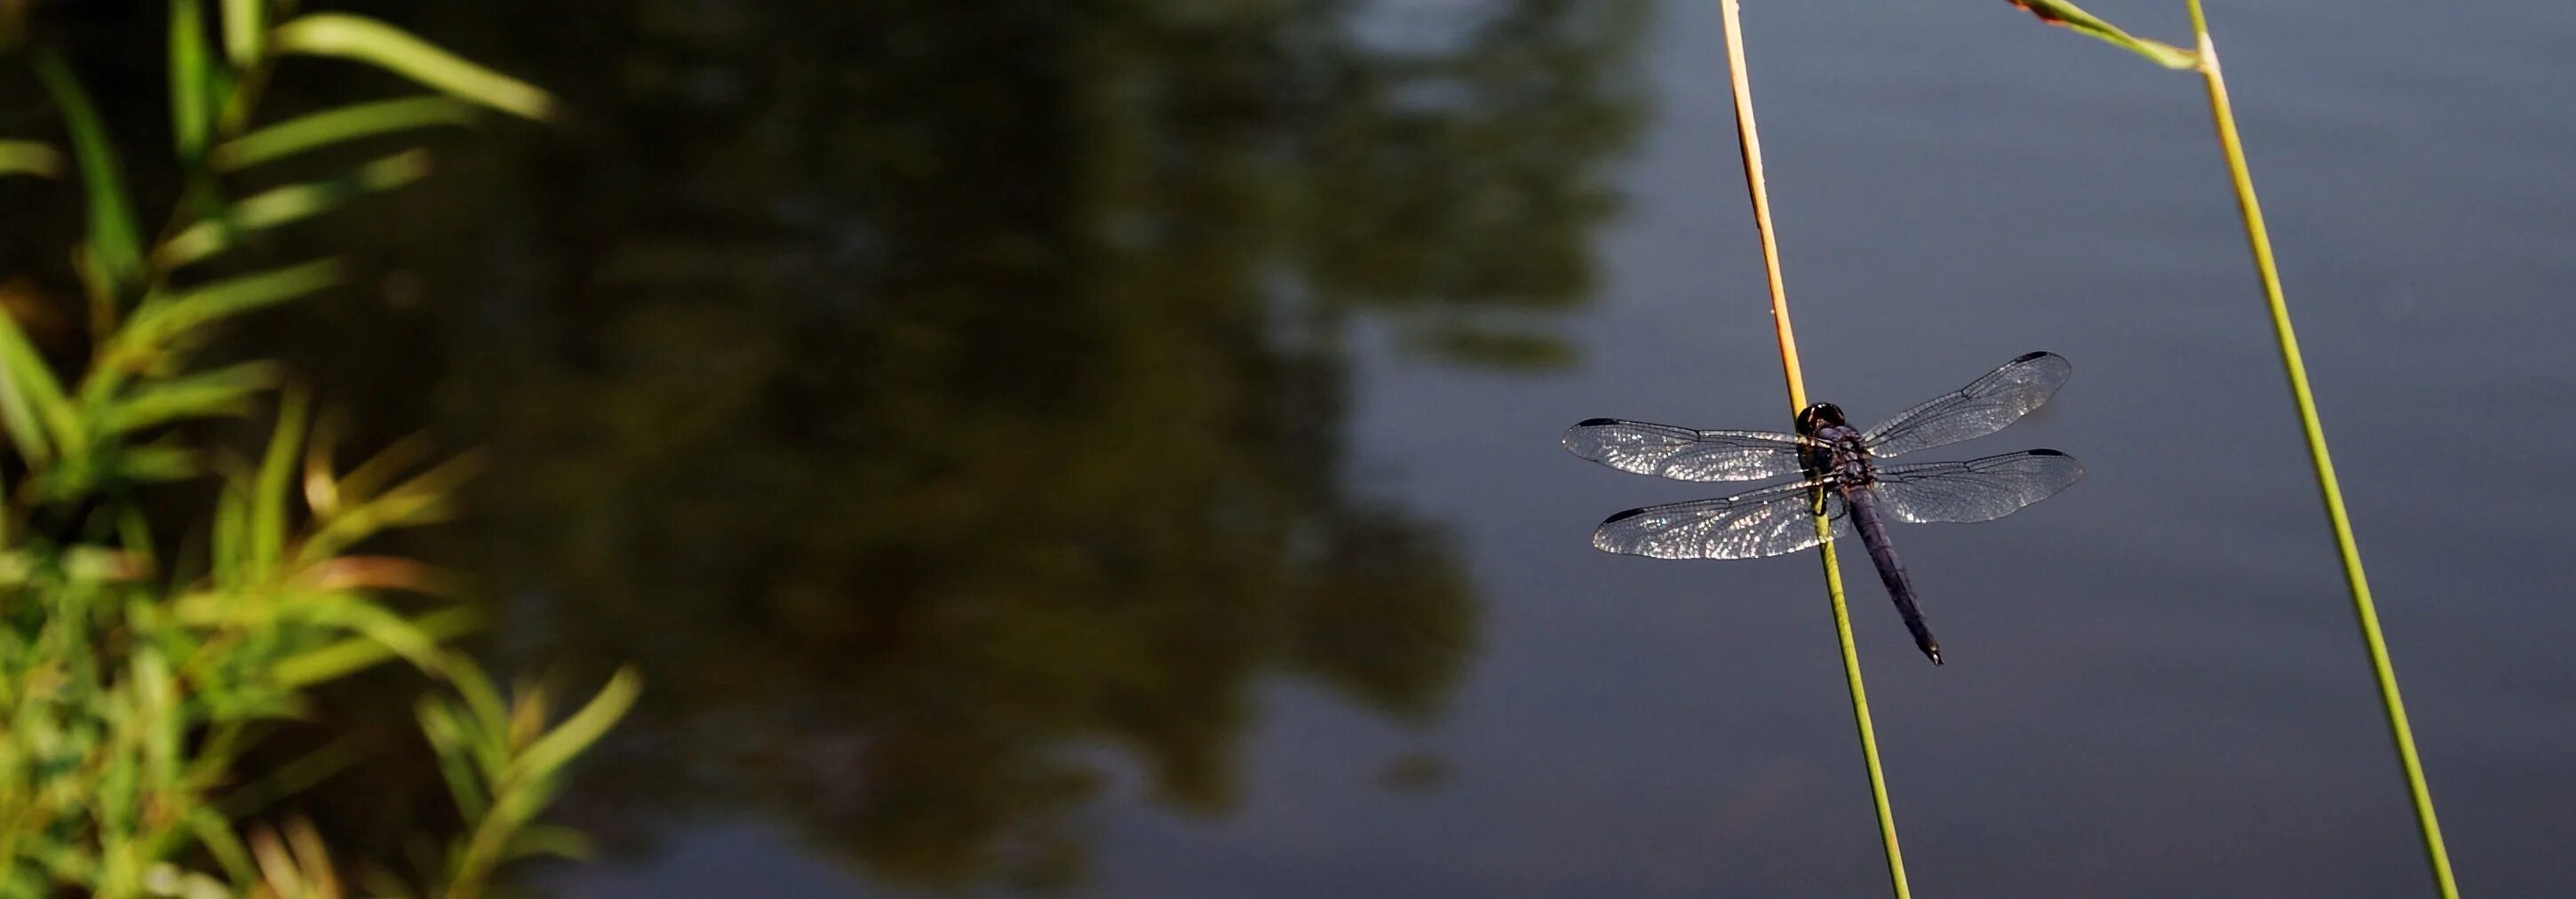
{"points": [[1819, 417]]}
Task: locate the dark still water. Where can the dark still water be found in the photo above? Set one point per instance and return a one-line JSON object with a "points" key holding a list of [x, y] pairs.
{"points": [[1111, 448]]}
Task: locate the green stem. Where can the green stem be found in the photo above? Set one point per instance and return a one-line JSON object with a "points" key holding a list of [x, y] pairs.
{"points": [[2252, 210], [1749, 142], [1860, 720]]}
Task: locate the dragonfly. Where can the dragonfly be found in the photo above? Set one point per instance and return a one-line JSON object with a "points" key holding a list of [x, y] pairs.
{"points": [[1840, 478]]}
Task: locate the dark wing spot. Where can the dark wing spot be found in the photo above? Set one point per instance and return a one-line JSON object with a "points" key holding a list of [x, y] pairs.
{"points": [[2046, 452], [2025, 357], [1595, 422], [1623, 516]]}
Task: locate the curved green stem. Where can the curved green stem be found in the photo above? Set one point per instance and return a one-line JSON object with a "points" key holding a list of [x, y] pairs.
{"points": [[1749, 142], [2260, 240]]}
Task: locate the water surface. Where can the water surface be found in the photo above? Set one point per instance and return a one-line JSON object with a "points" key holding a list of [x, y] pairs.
{"points": [[1113, 450]]}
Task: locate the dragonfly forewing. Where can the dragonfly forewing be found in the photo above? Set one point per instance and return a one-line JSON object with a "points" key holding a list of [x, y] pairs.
{"points": [[1685, 454], [1767, 522], [1985, 406]]}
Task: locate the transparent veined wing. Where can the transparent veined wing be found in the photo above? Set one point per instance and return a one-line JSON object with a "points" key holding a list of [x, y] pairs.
{"points": [[1684, 454], [1767, 522], [1975, 490], [1983, 407]]}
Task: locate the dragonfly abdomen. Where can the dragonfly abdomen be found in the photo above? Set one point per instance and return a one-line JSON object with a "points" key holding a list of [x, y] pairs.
{"points": [[1891, 570]]}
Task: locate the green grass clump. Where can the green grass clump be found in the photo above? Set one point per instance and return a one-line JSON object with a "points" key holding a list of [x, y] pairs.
{"points": [[142, 659]]}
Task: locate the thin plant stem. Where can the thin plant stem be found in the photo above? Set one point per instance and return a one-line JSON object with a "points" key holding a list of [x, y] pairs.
{"points": [[2251, 209], [1750, 143]]}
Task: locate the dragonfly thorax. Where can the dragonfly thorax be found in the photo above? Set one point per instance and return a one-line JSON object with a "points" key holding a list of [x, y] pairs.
{"points": [[1839, 454], [1843, 456]]}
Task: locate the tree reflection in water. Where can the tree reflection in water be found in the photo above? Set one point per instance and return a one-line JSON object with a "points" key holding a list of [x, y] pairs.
{"points": [[926, 393]]}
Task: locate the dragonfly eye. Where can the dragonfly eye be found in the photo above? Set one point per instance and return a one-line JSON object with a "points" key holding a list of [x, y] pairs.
{"points": [[1819, 417]]}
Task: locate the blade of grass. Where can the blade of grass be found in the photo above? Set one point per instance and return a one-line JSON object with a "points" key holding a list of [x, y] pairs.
{"points": [[331, 661], [553, 840], [215, 833], [284, 205], [482, 720], [2074, 18], [115, 240], [395, 50], [160, 320], [322, 878], [164, 320], [27, 392], [1749, 143], [245, 31], [209, 394], [27, 157], [365, 481], [425, 498], [333, 126], [225, 541], [530, 778], [558, 747], [443, 725], [2222, 114], [191, 79], [268, 495], [150, 463]]}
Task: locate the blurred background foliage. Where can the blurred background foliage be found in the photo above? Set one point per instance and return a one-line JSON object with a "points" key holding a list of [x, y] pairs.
{"points": [[924, 396]]}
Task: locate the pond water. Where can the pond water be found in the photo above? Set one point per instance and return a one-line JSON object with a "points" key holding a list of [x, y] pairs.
{"points": [[1111, 448]]}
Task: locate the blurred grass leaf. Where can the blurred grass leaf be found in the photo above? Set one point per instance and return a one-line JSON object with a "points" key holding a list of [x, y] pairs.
{"points": [[153, 463], [157, 702], [216, 834], [279, 206], [333, 660], [2074, 18], [333, 126], [271, 610], [32, 407], [27, 157], [163, 319], [550, 752], [483, 714], [550, 839], [371, 476], [220, 392], [192, 80], [268, 494], [522, 785], [296, 864], [224, 544], [395, 50], [114, 238], [449, 741], [358, 614], [424, 499], [245, 31]]}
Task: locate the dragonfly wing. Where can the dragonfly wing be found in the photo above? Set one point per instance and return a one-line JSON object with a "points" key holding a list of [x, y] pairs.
{"points": [[1983, 407], [1767, 522], [1684, 454], [1975, 490]]}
